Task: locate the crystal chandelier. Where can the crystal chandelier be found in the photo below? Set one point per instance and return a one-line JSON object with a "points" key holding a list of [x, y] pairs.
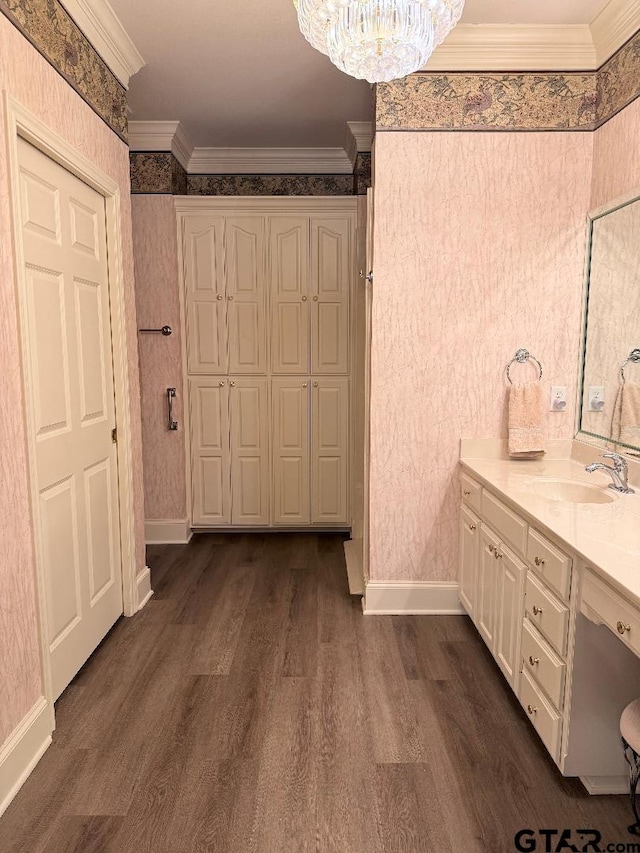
{"points": [[377, 40]]}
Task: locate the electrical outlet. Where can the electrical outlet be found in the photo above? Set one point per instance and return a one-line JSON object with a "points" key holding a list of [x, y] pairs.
{"points": [[558, 398], [596, 398]]}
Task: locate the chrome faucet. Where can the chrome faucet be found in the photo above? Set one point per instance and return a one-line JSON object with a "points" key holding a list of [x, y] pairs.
{"points": [[619, 472]]}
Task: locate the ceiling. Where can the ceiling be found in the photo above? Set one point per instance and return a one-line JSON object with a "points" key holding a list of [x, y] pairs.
{"points": [[240, 74]]}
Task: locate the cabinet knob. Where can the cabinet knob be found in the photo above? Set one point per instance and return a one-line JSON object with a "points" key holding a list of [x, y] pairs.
{"points": [[539, 561], [466, 493], [222, 383], [492, 548], [472, 527], [219, 297], [532, 710], [315, 384], [533, 661], [305, 384], [623, 627], [230, 298], [304, 298], [537, 610], [315, 298], [232, 384], [497, 554]]}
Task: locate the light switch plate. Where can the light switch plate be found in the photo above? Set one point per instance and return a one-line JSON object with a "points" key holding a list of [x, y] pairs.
{"points": [[596, 398], [558, 398]]}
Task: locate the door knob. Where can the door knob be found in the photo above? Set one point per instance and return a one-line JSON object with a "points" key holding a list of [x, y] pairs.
{"points": [[219, 298], [304, 298], [315, 384], [315, 298], [533, 661], [230, 298], [539, 561], [532, 710], [305, 384], [623, 627], [232, 384], [222, 383], [472, 527], [537, 610]]}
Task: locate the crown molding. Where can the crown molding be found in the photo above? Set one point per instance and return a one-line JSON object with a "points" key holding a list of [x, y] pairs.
{"points": [[161, 136], [102, 27], [359, 139], [515, 47], [269, 161], [615, 25]]}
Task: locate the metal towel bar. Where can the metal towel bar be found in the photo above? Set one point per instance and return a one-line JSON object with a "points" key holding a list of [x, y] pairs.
{"points": [[165, 330], [522, 356]]}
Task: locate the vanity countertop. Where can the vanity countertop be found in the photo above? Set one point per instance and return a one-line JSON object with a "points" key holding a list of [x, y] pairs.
{"points": [[606, 536]]}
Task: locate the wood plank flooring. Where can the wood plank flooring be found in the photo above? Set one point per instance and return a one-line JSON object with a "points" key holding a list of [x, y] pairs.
{"points": [[251, 708]]}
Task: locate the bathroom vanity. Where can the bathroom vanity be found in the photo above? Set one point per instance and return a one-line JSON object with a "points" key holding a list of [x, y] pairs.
{"points": [[550, 575]]}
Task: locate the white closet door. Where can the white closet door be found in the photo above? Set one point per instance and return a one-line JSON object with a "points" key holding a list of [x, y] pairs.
{"points": [[250, 484], [210, 452], [246, 314], [331, 267], [205, 295], [330, 451], [290, 411], [288, 283], [70, 388]]}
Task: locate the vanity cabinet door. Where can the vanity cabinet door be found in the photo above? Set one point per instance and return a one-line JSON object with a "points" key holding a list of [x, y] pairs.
{"points": [[510, 576], [469, 553], [485, 611]]}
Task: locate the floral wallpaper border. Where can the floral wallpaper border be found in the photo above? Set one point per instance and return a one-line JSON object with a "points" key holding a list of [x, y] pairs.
{"points": [[54, 34], [511, 102], [156, 172], [253, 185]]}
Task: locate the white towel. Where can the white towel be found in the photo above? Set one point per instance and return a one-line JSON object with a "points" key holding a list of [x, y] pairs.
{"points": [[526, 420]]}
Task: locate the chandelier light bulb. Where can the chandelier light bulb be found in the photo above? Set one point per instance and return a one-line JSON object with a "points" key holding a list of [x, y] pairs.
{"points": [[377, 40]]}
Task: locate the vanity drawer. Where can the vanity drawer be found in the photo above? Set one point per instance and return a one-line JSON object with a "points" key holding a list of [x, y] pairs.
{"points": [[541, 662], [471, 492], [548, 614], [504, 521], [551, 563], [616, 613], [546, 720]]}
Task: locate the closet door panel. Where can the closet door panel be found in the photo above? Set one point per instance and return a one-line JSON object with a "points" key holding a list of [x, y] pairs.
{"points": [[205, 295], [330, 451], [331, 240], [290, 416], [249, 451], [246, 276], [210, 451], [288, 284]]}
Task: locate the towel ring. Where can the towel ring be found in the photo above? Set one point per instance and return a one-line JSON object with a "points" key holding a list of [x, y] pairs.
{"points": [[523, 355], [634, 356]]}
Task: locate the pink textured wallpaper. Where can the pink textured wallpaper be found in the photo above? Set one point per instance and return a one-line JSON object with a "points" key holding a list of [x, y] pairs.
{"points": [[30, 79], [479, 250], [616, 165], [158, 304]]}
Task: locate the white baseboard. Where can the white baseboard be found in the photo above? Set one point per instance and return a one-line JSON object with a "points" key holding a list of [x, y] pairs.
{"points": [[143, 582], [167, 531], [391, 598], [353, 560], [606, 784], [23, 749]]}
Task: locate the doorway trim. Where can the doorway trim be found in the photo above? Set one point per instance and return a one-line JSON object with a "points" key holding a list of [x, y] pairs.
{"points": [[21, 123]]}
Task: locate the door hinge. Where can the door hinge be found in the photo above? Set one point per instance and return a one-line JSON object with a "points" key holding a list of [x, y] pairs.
{"points": [[114, 435]]}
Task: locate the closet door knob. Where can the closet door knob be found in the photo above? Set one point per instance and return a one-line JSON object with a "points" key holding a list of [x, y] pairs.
{"points": [[230, 298], [232, 384], [623, 628], [537, 610], [315, 298], [492, 548], [539, 561], [305, 384], [222, 383], [304, 298], [472, 527], [532, 710], [315, 384], [219, 298], [466, 493], [533, 661]]}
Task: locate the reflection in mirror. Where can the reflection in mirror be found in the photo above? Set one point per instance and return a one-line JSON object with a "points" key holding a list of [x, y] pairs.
{"points": [[610, 403]]}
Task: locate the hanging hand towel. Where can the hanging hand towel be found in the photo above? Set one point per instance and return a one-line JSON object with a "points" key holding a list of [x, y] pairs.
{"points": [[526, 420], [626, 415]]}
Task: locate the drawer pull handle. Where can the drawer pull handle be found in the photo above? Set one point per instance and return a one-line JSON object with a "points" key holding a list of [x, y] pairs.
{"points": [[532, 710], [472, 527], [533, 661], [466, 493], [539, 561], [537, 610], [623, 627]]}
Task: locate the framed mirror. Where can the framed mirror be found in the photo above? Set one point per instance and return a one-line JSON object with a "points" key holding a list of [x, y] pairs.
{"points": [[610, 390]]}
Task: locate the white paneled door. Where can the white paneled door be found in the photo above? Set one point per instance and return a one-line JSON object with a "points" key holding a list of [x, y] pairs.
{"points": [[70, 383], [250, 482], [289, 287], [329, 450], [331, 255], [290, 408], [210, 451], [246, 309]]}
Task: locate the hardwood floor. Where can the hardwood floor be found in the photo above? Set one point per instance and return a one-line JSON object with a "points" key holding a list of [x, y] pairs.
{"points": [[251, 708]]}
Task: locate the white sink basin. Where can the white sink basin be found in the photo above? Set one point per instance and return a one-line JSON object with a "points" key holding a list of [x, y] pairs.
{"points": [[571, 491]]}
